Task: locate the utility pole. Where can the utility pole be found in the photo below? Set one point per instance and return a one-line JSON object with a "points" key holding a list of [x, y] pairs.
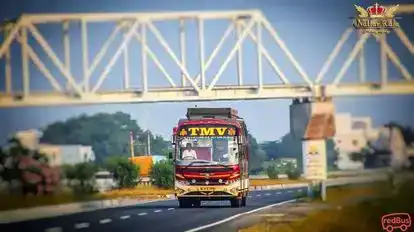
{"points": [[131, 144], [148, 143]]}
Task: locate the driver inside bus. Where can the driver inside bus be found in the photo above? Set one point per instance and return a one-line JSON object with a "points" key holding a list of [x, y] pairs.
{"points": [[189, 153]]}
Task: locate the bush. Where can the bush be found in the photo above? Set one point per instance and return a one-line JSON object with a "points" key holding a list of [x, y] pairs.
{"points": [[83, 173], [293, 173], [162, 174], [272, 172], [125, 172]]}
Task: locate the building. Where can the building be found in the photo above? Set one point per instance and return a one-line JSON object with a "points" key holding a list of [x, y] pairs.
{"points": [[352, 134], [57, 154], [67, 154], [29, 138], [52, 152], [355, 133]]}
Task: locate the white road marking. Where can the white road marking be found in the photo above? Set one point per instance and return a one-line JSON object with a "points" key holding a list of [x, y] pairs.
{"points": [[124, 217], [238, 215], [104, 221], [81, 225], [249, 196], [157, 211], [268, 194], [278, 193], [142, 214], [290, 191], [54, 229], [170, 209], [258, 195]]}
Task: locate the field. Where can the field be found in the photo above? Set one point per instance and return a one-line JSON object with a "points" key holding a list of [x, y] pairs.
{"points": [[346, 209]]}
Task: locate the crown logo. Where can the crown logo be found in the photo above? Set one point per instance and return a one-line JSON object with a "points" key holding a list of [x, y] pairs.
{"points": [[376, 11]]}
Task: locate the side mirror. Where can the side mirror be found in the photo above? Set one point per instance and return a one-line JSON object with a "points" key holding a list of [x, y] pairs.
{"points": [[170, 155]]}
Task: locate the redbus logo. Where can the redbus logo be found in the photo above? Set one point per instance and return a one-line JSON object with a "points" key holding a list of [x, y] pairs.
{"points": [[393, 221]]}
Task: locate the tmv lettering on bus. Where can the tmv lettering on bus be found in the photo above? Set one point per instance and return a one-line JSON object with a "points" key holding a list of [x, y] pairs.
{"points": [[209, 131]]}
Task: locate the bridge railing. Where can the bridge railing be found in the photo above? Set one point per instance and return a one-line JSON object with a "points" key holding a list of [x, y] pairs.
{"points": [[86, 81]]}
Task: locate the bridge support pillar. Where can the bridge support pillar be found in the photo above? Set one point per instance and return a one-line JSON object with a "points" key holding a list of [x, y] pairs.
{"points": [[312, 120]]}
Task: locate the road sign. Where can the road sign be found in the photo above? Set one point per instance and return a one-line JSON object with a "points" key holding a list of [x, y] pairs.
{"points": [[314, 159]]}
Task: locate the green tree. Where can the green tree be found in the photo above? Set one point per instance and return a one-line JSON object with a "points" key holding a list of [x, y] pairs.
{"points": [[108, 134], [162, 174], [69, 171], [125, 172], [256, 155], [84, 173], [292, 172], [287, 147], [272, 172]]}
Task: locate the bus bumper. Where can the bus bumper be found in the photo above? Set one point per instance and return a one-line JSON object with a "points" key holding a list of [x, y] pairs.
{"points": [[210, 193]]}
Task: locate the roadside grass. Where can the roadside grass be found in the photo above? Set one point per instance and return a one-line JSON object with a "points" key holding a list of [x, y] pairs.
{"points": [[9, 202], [139, 191], [263, 182], [352, 208]]}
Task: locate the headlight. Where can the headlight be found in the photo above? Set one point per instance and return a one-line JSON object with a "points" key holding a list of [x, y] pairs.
{"points": [[183, 182]]}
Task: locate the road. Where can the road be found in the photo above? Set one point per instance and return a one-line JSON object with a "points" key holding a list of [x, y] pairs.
{"points": [[151, 217]]}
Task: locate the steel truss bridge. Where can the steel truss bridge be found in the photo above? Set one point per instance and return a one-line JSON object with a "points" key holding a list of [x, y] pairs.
{"points": [[247, 26]]}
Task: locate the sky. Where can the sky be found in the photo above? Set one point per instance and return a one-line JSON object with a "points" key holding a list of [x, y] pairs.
{"points": [[310, 29]]}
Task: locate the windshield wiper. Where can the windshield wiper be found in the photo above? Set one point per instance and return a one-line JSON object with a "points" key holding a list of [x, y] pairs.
{"points": [[196, 162], [206, 162], [221, 164]]}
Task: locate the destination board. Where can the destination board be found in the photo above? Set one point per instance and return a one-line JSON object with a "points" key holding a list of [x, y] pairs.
{"points": [[215, 131]]}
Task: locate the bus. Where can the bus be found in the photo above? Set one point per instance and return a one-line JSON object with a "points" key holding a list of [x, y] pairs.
{"points": [[211, 153]]}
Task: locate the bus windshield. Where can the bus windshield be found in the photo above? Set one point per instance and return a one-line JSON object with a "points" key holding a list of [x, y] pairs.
{"points": [[211, 149]]}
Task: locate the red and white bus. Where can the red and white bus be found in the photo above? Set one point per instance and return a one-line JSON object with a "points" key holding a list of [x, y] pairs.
{"points": [[211, 157]]}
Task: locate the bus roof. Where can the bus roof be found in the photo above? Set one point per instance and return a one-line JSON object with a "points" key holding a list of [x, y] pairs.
{"points": [[209, 121]]}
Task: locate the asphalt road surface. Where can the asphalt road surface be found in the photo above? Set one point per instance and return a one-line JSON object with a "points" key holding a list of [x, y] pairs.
{"points": [[152, 217]]}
